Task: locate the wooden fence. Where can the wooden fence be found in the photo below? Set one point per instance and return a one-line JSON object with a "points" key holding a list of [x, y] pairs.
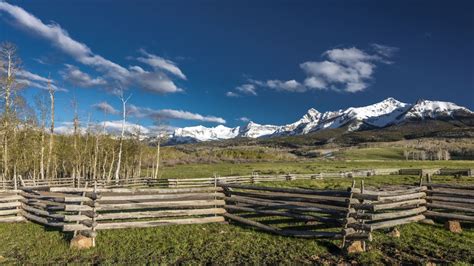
{"points": [[144, 182], [306, 213], [388, 208], [10, 207], [450, 201], [347, 215], [91, 209]]}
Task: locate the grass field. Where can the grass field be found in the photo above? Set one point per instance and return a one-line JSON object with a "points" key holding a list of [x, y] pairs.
{"points": [[316, 166], [231, 244]]}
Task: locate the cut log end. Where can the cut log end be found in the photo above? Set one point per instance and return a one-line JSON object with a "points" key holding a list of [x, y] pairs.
{"points": [[355, 247], [81, 242], [453, 226]]}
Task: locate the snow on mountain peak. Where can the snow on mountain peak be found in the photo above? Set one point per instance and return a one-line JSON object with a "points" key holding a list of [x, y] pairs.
{"points": [[254, 130], [434, 109], [387, 112]]}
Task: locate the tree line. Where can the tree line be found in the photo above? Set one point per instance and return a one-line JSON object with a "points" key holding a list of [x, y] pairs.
{"points": [[31, 148]]}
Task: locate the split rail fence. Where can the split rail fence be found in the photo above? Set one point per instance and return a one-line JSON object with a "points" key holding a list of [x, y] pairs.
{"points": [[450, 201], [346, 215]]}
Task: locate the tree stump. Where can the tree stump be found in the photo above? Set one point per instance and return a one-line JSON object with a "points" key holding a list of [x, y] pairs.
{"points": [[453, 226], [81, 242]]}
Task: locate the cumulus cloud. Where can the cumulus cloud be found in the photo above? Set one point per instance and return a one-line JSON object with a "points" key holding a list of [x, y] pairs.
{"points": [[155, 81], [346, 69], [350, 69], [106, 108], [166, 114], [78, 78]]}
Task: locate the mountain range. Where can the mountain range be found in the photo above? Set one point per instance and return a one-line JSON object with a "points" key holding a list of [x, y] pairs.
{"points": [[379, 115]]}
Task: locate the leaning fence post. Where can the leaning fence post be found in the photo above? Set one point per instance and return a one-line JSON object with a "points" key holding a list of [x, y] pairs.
{"points": [[348, 214]]}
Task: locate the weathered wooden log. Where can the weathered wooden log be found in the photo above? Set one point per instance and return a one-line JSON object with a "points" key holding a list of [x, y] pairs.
{"points": [[451, 207], [360, 236], [392, 223], [9, 205], [146, 214], [144, 224], [286, 214], [135, 190], [386, 206], [302, 234], [392, 192], [454, 186], [8, 212], [11, 219], [292, 196], [451, 199], [288, 205], [416, 195], [341, 193], [389, 215], [449, 191], [453, 216], [185, 196], [9, 198], [41, 212], [458, 204], [40, 220], [160, 204], [363, 196]]}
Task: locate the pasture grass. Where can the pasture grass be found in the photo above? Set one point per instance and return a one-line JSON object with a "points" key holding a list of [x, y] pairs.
{"points": [[29, 243], [303, 167]]}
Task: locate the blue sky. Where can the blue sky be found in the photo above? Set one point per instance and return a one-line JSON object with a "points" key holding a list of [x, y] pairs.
{"points": [[203, 62]]}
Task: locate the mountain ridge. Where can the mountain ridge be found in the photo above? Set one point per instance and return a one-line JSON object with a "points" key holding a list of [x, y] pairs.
{"points": [[378, 115]]}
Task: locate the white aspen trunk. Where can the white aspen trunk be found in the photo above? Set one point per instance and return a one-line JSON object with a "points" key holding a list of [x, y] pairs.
{"points": [[51, 131], [119, 159], [157, 159]]}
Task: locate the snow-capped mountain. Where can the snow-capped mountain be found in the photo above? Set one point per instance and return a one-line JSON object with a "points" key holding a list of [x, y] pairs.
{"points": [[385, 113], [201, 133]]}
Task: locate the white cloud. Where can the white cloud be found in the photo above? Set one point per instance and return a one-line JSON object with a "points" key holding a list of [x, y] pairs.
{"points": [[32, 80], [247, 89], [231, 94], [165, 114], [348, 69], [161, 63], [155, 81], [289, 85], [315, 83], [76, 77], [106, 108], [244, 119]]}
